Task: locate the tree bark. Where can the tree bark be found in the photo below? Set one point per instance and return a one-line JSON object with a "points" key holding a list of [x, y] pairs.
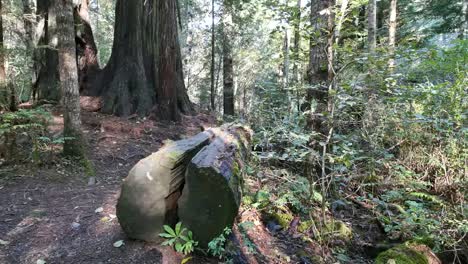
{"points": [[285, 69], [464, 29], [87, 53], [228, 67], [317, 71], [392, 33], [330, 40], [372, 25], [132, 81], [46, 86], [4, 100], [297, 43], [68, 73], [167, 61], [212, 72]]}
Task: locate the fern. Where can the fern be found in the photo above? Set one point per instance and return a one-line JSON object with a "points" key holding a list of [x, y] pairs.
{"points": [[428, 197]]}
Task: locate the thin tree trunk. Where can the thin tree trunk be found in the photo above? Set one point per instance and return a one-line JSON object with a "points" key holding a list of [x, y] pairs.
{"points": [[29, 14], [392, 33], [343, 12], [68, 72], [285, 69], [228, 67], [212, 91], [297, 43], [464, 29], [331, 41], [372, 25], [4, 100]]}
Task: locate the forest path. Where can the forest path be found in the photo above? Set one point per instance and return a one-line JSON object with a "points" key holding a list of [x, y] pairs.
{"points": [[58, 215]]}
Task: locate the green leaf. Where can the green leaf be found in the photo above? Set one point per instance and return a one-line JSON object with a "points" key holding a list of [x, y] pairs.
{"points": [[178, 247], [177, 228], [166, 235], [169, 230]]}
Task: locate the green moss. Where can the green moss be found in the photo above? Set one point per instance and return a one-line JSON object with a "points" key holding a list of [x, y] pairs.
{"points": [[401, 254], [339, 229], [283, 219], [305, 226]]}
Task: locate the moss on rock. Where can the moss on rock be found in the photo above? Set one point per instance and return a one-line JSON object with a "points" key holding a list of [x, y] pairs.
{"points": [[283, 219], [402, 254], [339, 229]]}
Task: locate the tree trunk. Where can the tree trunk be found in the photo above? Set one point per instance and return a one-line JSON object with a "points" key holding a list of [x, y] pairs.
{"points": [[330, 40], [4, 100], [317, 45], [343, 12], [68, 73], [132, 82], [297, 43], [149, 195], [46, 86], [464, 29], [285, 69], [212, 193], [167, 61], [392, 33], [88, 64], [372, 26], [212, 72], [228, 67]]}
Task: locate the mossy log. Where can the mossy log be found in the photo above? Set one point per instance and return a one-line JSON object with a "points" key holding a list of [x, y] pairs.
{"points": [[149, 194], [212, 193]]}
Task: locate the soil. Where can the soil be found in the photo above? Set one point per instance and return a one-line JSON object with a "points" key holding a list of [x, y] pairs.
{"points": [[55, 213]]}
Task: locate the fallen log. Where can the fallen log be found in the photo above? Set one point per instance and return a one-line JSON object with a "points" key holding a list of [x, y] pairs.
{"points": [[212, 193], [149, 194]]}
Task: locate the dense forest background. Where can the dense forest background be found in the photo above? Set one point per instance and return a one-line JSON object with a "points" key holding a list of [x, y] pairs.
{"points": [[358, 107]]}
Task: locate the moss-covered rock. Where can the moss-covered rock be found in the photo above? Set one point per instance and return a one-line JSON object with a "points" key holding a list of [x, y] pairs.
{"points": [[339, 229], [402, 254]]}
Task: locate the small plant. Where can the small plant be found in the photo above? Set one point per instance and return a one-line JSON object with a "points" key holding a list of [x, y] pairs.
{"points": [[177, 239], [216, 246]]}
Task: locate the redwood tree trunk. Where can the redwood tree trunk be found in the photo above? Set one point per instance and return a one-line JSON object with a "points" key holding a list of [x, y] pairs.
{"points": [[167, 60], [46, 85], [88, 65], [228, 67], [68, 73], [131, 82], [212, 72]]}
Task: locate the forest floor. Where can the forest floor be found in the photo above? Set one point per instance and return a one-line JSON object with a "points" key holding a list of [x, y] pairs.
{"points": [[57, 214]]}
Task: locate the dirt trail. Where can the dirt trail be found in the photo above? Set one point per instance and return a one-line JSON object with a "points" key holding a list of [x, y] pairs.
{"points": [[54, 213]]}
